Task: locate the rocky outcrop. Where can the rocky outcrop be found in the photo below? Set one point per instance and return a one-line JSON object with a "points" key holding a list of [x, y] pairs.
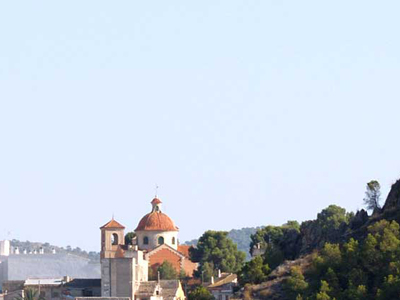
{"points": [[393, 199], [360, 219]]}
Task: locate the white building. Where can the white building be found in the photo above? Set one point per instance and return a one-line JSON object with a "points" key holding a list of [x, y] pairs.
{"points": [[5, 248]]}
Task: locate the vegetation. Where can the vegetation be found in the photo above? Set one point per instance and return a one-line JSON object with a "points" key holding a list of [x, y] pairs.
{"points": [[200, 293], [242, 238], [372, 195], [365, 269], [215, 251], [254, 271], [339, 255], [129, 237], [167, 271]]}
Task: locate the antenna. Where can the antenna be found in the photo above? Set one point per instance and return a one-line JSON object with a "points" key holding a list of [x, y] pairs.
{"points": [[156, 189]]}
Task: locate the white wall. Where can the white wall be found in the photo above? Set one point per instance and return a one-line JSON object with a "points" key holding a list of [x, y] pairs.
{"points": [[5, 248], [153, 239]]}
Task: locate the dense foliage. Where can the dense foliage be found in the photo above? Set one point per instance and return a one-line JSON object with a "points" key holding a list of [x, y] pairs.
{"points": [[253, 271], [200, 293], [242, 238], [129, 237], [215, 251], [166, 271], [364, 269], [278, 242]]}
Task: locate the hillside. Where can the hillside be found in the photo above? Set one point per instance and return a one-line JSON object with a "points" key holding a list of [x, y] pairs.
{"points": [[339, 255]]}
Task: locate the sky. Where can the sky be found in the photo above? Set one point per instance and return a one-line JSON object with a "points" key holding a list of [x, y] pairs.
{"points": [[244, 113]]}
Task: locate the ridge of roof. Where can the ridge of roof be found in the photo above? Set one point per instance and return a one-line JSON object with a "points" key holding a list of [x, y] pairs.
{"points": [[228, 279], [112, 224]]}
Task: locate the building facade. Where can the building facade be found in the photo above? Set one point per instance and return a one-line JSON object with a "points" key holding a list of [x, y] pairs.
{"points": [[124, 268]]}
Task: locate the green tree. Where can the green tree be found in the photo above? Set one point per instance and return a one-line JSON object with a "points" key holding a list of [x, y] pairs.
{"points": [[167, 271], [372, 195], [129, 237], [332, 217], [254, 271], [323, 292], [295, 284], [200, 293], [390, 288], [215, 251]]}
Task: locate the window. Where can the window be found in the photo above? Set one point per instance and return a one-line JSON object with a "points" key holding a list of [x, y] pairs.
{"points": [[145, 240], [114, 239], [160, 240], [173, 241]]}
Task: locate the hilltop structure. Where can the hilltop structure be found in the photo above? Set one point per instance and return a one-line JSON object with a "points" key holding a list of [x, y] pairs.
{"points": [[21, 265]]}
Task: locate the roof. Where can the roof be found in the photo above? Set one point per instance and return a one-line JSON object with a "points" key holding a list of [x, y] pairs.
{"points": [[164, 246], [228, 279], [83, 283], [112, 224], [156, 221], [44, 281], [156, 201], [146, 289], [168, 290], [184, 249]]}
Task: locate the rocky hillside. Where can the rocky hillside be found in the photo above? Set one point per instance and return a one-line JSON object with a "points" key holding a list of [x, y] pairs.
{"points": [[319, 249]]}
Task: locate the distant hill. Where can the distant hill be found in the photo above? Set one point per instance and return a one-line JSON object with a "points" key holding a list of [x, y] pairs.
{"points": [[240, 236], [30, 247]]}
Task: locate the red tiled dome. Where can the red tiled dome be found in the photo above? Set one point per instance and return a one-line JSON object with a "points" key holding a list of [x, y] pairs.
{"points": [[156, 220]]}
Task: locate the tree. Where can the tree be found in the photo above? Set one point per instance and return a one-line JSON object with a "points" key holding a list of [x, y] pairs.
{"points": [[167, 271], [278, 242], [129, 237], [200, 293], [372, 195], [295, 284], [254, 271], [215, 251], [323, 292]]}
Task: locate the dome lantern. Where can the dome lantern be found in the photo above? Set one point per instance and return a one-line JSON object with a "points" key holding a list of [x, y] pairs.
{"points": [[156, 203]]}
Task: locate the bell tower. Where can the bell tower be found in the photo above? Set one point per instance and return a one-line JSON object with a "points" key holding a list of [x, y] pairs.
{"points": [[112, 236]]}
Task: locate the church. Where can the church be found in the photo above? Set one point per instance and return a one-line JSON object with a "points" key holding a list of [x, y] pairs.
{"points": [[125, 268]]}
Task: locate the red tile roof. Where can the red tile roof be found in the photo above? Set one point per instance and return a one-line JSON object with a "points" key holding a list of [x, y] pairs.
{"points": [[156, 221], [156, 201], [112, 224], [184, 249]]}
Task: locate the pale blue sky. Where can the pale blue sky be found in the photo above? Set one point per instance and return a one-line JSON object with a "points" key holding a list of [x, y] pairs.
{"points": [[245, 113]]}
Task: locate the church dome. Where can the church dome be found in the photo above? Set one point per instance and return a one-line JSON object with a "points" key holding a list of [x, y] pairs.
{"points": [[156, 220]]}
